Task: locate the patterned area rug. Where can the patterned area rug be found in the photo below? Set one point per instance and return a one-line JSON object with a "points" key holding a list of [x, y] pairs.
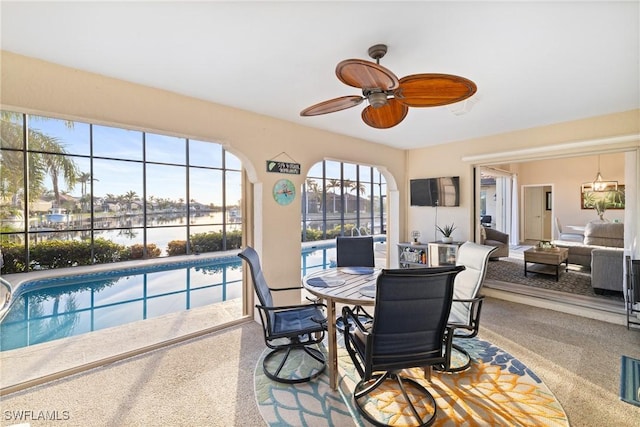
{"points": [[496, 390], [574, 281]]}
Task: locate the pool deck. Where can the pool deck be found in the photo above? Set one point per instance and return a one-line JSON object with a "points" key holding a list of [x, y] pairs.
{"points": [[29, 366]]}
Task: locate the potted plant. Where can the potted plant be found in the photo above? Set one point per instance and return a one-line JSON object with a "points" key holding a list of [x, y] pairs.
{"points": [[600, 207], [446, 231]]}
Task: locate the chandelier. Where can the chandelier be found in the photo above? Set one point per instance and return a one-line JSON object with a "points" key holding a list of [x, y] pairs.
{"points": [[600, 184]]}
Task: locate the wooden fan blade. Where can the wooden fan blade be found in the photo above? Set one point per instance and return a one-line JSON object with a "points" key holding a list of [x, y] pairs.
{"points": [[366, 75], [387, 116], [332, 105], [432, 90]]}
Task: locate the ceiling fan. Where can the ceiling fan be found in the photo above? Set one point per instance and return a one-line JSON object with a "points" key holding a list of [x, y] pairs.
{"points": [[389, 97]]}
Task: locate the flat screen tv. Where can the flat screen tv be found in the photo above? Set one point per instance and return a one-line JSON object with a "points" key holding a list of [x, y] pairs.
{"points": [[443, 191]]}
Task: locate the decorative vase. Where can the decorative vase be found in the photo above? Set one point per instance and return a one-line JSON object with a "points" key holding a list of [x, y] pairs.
{"points": [[447, 239]]}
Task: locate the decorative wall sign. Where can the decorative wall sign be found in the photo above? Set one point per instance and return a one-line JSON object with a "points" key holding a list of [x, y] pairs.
{"points": [[278, 166], [284, 192], [283, 167]]}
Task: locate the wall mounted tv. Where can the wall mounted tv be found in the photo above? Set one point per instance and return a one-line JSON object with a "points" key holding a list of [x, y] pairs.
{"points": [[443, 191]]}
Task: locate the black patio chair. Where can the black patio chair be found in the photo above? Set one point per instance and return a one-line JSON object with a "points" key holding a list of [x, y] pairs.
{"points": [[408, 330], [291, 329], [355, 251]]}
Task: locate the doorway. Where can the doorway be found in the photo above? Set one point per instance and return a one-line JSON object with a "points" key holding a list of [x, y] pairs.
{"points": [[537, 212], [496, 203]]}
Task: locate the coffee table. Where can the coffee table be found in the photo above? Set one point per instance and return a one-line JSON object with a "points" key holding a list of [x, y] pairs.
{"points": [[551, 256]]}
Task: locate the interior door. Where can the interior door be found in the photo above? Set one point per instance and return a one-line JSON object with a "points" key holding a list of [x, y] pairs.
{"points": [[533, 213]]}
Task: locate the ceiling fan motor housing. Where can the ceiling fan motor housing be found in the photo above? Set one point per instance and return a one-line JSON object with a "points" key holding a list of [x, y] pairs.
{"points": [[377, 99]]}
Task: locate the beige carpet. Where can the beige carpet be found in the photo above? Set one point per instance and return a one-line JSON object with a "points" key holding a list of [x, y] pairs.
{"points": [[209, 381]]}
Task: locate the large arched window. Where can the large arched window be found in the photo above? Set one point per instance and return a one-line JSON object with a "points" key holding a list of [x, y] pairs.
{"points": [[74, 193], [342, 199]]}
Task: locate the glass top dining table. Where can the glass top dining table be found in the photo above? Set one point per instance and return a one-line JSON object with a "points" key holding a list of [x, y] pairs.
{"points": [[341, 285]]}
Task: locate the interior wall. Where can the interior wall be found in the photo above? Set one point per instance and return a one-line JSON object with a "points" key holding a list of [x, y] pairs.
{"points": [[39, 87], [567, 176], [611, 133]]}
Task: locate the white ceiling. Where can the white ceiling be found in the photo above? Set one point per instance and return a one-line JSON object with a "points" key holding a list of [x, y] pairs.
{"points": [[535, 63]]}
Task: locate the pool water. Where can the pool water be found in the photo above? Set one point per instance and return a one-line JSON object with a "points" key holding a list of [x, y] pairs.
{"points": [[55, 308], [62, 307]]}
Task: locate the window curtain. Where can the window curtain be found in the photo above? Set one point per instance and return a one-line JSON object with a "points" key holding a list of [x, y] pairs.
{"points": [[514, 232]]}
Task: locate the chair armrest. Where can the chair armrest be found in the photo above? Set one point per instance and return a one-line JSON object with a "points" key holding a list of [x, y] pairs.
{"points": [[474, 317], [355, 349], [290, 307], [499, 236], [347, 314], [284, 308], [472, 300], [285, 289]]}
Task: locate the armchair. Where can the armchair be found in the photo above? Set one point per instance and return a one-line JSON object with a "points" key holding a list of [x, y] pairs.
{"points": [[492, 237], [409, 329], [287, 329]]}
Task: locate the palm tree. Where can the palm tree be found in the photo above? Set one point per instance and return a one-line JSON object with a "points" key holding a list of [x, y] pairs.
{"points": [[51, 161], [314, 189], [129, 197], [332, 184], [83, 178], [359, 187]]}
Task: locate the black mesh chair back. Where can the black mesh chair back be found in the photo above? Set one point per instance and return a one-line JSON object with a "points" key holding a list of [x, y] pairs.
{"points": [[356, 251], [292, 332], [259, 283], [409, 330]]}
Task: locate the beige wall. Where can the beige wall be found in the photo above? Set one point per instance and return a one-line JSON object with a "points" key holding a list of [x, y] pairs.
{"points": [[567, 175], [34, 86]]}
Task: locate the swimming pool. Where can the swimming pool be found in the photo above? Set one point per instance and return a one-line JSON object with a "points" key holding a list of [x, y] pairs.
{"points": [[52, 308]]}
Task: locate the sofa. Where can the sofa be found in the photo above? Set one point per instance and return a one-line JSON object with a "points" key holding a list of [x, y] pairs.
{"points": [[491, 237], [602, 250]]}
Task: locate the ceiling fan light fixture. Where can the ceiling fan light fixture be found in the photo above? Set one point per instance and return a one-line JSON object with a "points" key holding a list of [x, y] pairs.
{"points": [[377, 99], [600, 184]]}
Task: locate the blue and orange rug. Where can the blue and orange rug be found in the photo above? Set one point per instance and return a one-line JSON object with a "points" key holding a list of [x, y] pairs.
{"points": [[496, 390]]}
